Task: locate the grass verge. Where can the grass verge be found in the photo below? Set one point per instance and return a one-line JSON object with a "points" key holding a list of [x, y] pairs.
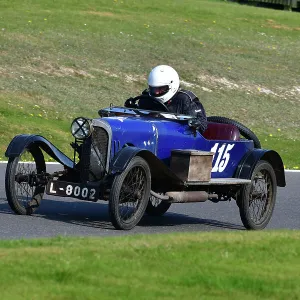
{"points": [[239, 265]]}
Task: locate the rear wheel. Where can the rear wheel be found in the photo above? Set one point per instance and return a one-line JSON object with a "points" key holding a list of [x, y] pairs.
{"points": [[156, 206], [129, 194], [257, 200], [23, 194]]}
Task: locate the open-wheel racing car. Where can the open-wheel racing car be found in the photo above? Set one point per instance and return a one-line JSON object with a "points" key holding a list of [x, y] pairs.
{"points": [[143, 161]]}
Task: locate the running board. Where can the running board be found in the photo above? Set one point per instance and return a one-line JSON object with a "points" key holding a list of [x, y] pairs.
{"points": [[219, 181]]}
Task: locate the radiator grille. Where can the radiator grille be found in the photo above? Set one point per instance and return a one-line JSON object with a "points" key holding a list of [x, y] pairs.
{"points": [[99, 152], [100, 140]]}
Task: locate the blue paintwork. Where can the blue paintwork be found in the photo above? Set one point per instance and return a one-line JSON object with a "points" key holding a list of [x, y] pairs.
{"points": [[160, 136]]}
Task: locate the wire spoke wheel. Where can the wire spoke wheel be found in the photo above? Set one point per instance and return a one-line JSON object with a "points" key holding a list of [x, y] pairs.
{"points": [[260, 196], [129, 194], [258, 199], [156, 206], [25, 168], [23, 194]]}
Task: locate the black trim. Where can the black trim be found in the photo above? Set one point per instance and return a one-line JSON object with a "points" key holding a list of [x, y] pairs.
{"points": [[85, 159], [162, 176], [247, 165], [23, 141]]}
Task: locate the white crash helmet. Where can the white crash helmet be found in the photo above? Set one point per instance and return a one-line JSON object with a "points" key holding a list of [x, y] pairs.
{"points": [[163, 82]]}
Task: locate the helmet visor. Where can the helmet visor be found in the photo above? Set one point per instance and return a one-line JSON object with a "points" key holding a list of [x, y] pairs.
{"points": [[157, 91]]}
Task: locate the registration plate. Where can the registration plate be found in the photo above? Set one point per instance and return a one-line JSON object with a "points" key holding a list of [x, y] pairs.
{"points": [[74, 190]]}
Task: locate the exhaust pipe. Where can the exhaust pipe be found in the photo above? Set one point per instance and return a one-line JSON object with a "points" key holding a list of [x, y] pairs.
{"points": [[183, 197]]}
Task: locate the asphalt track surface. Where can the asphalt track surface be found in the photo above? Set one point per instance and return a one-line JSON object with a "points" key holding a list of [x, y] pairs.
{"points": [[69, 217]]}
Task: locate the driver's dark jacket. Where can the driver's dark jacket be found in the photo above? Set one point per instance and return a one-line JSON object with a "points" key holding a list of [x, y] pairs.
{"points": [[183, 102]]}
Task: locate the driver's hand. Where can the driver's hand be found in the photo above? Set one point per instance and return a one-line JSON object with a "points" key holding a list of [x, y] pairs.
{"points": [[130, 103], [194, 123]]}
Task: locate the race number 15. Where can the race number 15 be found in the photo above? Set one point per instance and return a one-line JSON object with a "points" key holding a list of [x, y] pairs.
{"points": [[223, 156]]}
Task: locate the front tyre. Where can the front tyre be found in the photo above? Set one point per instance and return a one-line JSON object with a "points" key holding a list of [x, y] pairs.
{"points": [[23, 194], [257, 200], [129, 194]]}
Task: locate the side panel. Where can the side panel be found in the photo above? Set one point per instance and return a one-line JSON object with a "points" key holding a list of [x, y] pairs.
{"points": [[228, 154], [227, 157], [173, 135], [135, 132], [161, 136]]}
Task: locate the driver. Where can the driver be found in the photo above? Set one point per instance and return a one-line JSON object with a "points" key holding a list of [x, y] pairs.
{"points": [[163, 88]]}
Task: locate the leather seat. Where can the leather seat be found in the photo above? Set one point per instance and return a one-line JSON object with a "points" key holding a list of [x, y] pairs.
{"points": [[218, 131]]}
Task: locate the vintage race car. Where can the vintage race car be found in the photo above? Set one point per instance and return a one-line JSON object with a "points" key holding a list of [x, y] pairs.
{"points": [[143, 161]]}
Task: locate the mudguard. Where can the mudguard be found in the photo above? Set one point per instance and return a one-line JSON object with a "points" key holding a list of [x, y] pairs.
{"points": [[248, 163], [23, 141], [160, 173]]}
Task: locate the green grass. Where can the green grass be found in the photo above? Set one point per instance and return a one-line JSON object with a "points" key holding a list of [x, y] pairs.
{"points": [[22, 116], [216, 265], [73, 57]]}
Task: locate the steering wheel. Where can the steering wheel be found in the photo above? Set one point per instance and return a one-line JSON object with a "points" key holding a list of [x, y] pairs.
{"points": [[131, 102]]}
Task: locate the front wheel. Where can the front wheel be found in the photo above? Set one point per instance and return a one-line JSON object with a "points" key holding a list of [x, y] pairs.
{"points": [[23, 193], [129, 194], [257, 200]]}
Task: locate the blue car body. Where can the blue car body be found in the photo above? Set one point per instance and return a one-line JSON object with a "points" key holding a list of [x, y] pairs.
{"points": [[161, 136], [157, 134]]}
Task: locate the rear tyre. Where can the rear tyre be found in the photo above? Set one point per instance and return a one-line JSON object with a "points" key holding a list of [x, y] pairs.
{"points": [[257, 200], [156, 206], [245, 131], [23, 195], [129, 194]]}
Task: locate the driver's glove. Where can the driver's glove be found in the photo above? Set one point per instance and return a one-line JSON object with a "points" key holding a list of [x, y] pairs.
{"points": [[194, 123], [130, 103]]}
